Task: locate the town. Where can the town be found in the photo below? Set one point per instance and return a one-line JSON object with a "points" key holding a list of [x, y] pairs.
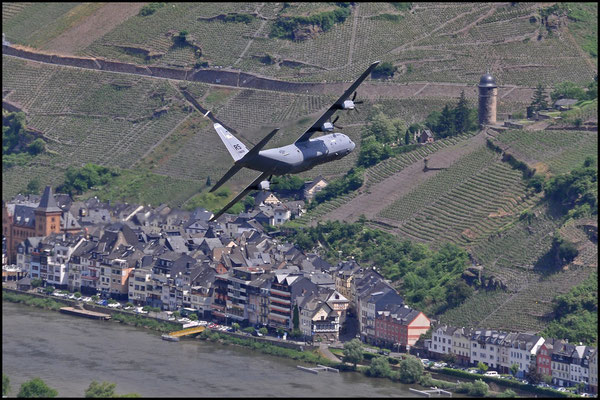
{"points": [[233, 270]]}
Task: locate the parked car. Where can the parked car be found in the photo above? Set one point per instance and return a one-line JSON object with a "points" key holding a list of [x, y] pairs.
{"points": [[58, 294], [202, 323], [71, 296], [102, 302], [114, 305], [86, 299], [425, 361], [256, 333], [139, 310], [491, 373], [562, 389], [473, 371]]}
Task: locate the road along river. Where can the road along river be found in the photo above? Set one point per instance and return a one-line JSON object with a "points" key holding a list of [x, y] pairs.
{"points": [[68, 353]]}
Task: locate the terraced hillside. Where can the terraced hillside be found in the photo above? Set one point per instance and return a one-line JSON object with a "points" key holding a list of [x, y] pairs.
{"points": [[432, 42]]}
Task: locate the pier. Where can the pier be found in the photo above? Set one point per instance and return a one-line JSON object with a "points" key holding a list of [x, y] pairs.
{"points": [[84, 313], [315, 370], [431, 391]]}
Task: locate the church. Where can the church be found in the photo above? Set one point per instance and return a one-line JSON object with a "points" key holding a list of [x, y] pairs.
{"points": [[24, 220]]}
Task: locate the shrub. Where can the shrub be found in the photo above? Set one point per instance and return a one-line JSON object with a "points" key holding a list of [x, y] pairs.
{"points": [[150, 9]]}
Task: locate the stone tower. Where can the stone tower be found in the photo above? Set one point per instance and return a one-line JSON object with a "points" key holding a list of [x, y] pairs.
{"points": [[488, 91], [47, 215]]}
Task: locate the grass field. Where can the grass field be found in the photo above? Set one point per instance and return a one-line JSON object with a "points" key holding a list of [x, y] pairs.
{"points": [[554, 151]]}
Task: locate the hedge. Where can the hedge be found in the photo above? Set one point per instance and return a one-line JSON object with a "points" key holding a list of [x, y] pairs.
{"points": [[506, 382]]}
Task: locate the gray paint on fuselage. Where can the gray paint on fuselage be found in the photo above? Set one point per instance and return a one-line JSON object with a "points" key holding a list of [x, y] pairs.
{"points": [[301, 156]]}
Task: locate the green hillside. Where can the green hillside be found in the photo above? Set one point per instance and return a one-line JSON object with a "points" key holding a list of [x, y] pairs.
{"points": [[471, 196]]}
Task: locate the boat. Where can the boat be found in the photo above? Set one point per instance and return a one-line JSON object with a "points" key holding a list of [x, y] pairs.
{"points": [[170, 338]]}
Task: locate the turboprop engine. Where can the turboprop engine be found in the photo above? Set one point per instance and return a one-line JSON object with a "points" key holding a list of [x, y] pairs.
{"points": [[264, 185]]}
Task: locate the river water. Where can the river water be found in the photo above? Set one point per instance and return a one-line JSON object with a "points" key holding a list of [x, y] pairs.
{"points": [[69, 352]]}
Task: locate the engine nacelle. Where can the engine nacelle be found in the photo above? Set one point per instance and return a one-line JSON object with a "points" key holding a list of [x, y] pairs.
{"points": [[264, 185], [327, 127], [348, 105]]}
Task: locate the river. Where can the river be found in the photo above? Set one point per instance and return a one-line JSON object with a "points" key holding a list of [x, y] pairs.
{"points": [[69, 352]]}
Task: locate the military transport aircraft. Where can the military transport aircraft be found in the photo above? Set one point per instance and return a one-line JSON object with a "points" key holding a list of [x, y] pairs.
{"points": [[300, 156]]}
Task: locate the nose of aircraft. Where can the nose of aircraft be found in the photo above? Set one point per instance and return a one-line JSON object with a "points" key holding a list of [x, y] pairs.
{"points": [[352, 145]]}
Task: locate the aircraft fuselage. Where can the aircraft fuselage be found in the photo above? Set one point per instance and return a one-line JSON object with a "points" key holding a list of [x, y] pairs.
{"points": [[301, 156]]}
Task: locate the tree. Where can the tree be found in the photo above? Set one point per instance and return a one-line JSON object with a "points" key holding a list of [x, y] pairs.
{"points": [[479, 388], [296, 318], [235, 326], [508, 393], [100, 390], [407, 137], [105, 390], [445, 126], [36, 387], [568, 90], [539, 99], [34, 186], [410, 370], [193, 317], [514, 368], [37, 282], [280, 331], [5, 385], [382, 127], [462, 116], [182, 37], [353, 352], [37, 146], [482, 367], [263, 331], [380, 367], [385, 69]]}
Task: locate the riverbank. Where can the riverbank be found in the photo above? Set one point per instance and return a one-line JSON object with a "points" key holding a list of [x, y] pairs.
{"points": [[80, 350], [289, 350]]}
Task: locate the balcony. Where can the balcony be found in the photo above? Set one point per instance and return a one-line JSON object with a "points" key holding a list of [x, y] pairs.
{"points": [[281, 293], [279, 308]]}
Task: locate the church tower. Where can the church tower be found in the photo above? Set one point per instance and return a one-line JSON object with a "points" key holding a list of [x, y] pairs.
{"points": [[47, 215], [488, 91]]}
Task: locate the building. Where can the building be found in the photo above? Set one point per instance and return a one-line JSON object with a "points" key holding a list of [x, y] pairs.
{"points": [[442, 338], [580, 366], [400, 327], [488, 93], [523, 349], [486, 347], [594, 371], [313, 187], [561, 363], [461, 345], [544, 358], [27, 219]]}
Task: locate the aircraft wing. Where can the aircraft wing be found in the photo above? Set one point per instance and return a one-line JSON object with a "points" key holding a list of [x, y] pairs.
{"points": [[336, 106], [249, 188]]}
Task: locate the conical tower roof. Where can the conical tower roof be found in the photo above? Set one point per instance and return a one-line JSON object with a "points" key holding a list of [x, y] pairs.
{"points": [[48, 203]]}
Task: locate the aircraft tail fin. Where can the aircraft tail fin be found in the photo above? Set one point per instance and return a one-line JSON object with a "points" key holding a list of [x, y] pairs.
{"points": [[236, 148]]}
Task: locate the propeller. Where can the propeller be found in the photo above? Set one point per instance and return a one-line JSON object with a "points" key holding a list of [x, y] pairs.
{"points": [[334, 121], [356, 102]]}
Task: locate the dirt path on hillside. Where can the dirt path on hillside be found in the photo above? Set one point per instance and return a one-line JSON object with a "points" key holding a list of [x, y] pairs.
{"points": [[93, 27], [389, 190]]}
